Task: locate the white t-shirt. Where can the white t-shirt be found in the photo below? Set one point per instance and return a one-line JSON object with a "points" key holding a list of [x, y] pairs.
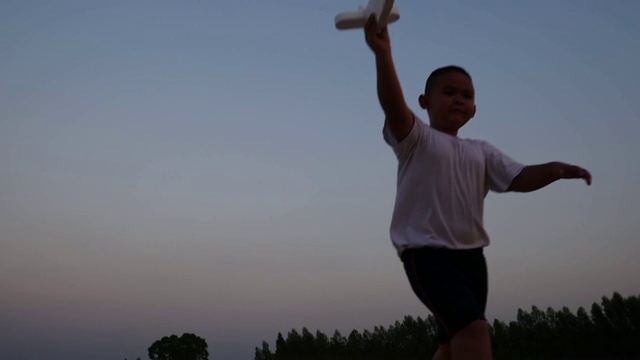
{"points": [[441, 185]]}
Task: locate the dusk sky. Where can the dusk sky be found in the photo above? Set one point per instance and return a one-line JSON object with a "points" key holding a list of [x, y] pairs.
{"points": [[218, 167]]}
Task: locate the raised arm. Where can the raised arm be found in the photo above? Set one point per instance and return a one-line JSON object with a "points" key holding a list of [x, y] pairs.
{"points": [[535, 177], [399, 118]]}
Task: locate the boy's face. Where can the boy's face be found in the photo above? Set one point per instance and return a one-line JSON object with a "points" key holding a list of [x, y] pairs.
{"points": [[450, 102]]}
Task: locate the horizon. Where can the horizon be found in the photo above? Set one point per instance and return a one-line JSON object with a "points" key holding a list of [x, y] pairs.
{"points": [[218, 168]]}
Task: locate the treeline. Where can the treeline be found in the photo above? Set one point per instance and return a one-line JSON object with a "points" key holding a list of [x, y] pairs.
{"points": [[610, 330]]}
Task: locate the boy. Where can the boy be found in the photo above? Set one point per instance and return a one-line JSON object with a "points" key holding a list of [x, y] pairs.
{"points": [[436, 226]]}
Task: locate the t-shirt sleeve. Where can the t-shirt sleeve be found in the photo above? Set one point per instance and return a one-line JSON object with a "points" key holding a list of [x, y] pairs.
{"points": [[405, 147], [500, 169]]}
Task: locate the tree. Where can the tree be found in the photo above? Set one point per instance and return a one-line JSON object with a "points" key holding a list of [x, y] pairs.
{"points": [[282, 351], [264, 353], [322, 342], [611, 330], [186, 347]]}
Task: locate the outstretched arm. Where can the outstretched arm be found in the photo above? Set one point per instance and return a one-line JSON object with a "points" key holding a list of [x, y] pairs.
{"points": [[398, 115], [535, 177]]}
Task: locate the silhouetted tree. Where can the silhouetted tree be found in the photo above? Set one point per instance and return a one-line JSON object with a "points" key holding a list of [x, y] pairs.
{"points": [[610, 331], [186, 347], [264, 353], [337, 345], [322, 343]]}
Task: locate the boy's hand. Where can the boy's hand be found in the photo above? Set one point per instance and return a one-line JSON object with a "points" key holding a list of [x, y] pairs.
{"points": [[566, 171], [378, 41]]}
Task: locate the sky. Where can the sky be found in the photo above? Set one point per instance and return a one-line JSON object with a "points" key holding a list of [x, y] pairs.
{"points": [[218, 167]]}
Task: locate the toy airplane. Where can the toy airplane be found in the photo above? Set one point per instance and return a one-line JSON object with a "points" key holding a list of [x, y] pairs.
{"points": [[384, 10]]}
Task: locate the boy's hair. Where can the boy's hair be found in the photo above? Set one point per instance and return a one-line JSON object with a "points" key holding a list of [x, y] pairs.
{"points": [[431, 80]]}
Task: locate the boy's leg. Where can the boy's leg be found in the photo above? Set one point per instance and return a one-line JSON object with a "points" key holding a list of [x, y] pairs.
{"points": [[472, 342], [453, 285], [443, 353]]}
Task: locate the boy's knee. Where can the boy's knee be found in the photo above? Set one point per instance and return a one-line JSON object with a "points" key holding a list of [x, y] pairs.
{"points": [[472, 342], [443, 353], [476, 330]]}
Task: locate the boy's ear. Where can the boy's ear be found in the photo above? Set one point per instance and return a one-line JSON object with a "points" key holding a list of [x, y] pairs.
{"points": [[424, 101]]}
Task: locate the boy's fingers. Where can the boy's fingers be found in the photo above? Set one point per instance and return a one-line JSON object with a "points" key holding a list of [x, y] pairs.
{"points": [[576, 172], [587, 176], [371, 21], [584, 174]]}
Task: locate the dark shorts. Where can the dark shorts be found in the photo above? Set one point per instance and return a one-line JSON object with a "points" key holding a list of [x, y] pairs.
{"points": [[452, 284]]}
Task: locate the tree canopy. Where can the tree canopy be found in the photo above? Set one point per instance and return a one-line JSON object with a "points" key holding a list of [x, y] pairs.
{"points": [[186, 347], [610, 330]]}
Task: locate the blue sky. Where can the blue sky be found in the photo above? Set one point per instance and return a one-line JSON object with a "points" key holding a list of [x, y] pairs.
{"points": [[218, 167]]}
